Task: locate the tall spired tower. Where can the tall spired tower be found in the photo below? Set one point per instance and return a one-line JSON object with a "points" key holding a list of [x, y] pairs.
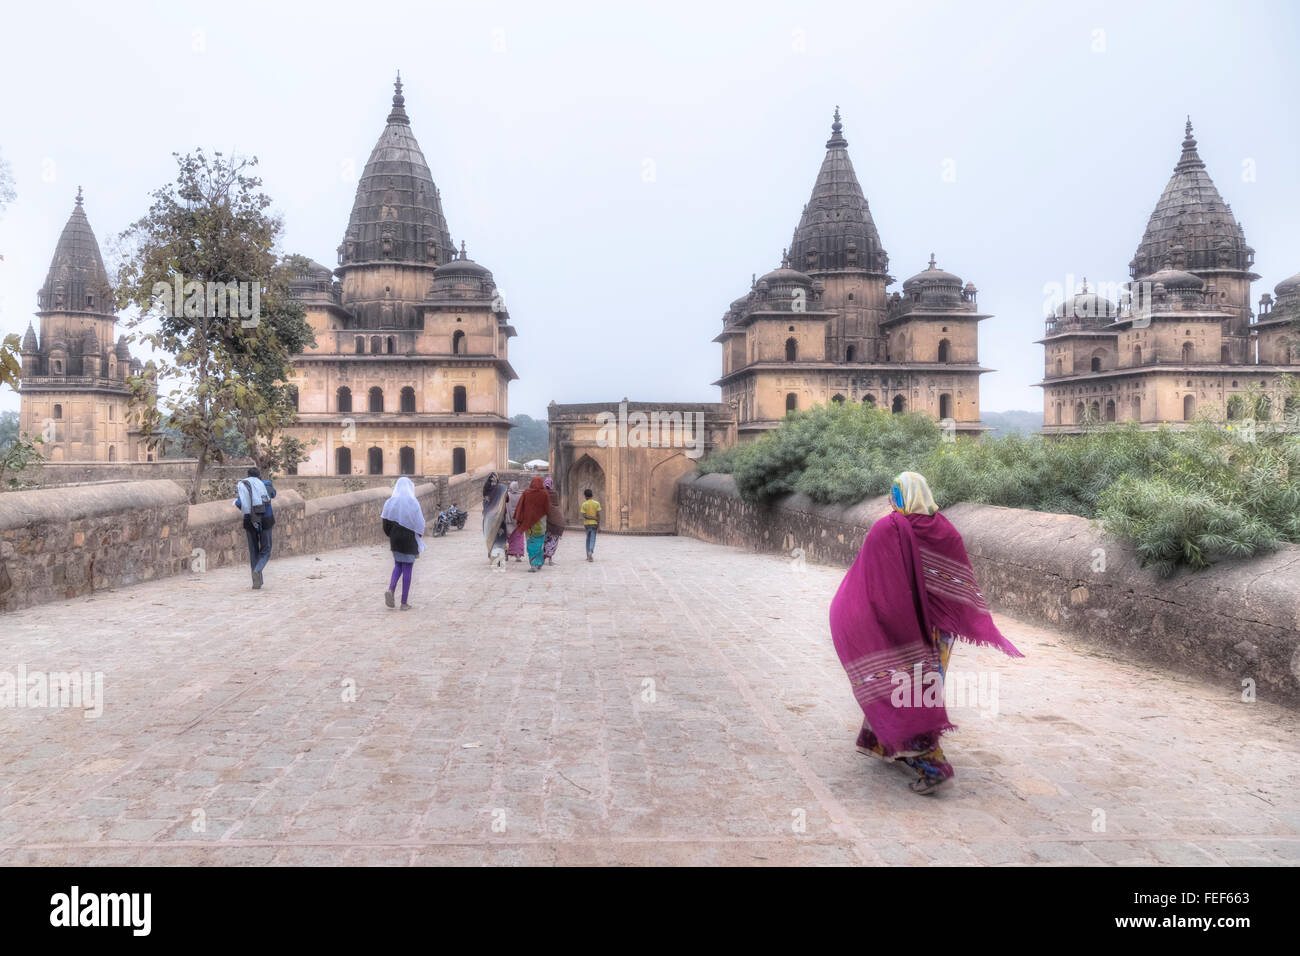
{"points": [[836, 242], [74, 392], [822, 329], [409, 373], [1194, 230]]}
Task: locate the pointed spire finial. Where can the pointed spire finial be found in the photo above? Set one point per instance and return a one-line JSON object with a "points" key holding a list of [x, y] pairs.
{"points": [[1085, 284], [398, 114], [932, 265], [462, 250], [837, 136], [78, 195], [785, 258]]}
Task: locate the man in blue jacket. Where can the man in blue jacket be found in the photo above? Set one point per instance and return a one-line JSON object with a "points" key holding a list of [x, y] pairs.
{"points": [[255, 494]]}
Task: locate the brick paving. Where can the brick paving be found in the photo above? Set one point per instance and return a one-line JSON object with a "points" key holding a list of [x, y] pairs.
{"points": [[674, 702]]}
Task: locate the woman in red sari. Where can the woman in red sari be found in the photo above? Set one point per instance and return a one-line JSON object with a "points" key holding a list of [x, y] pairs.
{"points": [[909, 595]]}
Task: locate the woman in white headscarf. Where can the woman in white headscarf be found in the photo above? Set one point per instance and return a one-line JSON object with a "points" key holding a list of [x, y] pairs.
{"points": [[404, 524], [516, 539]]}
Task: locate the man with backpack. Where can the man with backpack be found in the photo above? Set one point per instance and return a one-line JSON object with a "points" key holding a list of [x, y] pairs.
{"points": [[254, 501]]}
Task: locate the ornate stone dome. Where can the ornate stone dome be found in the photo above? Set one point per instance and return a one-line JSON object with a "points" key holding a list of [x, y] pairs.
{"points": [[932, 278], [1172, 278], [836, 231], [122, 350], [460, 266], [1088, 308], [1192, 214], [1288, 287], [76, 281], [397, 214]]}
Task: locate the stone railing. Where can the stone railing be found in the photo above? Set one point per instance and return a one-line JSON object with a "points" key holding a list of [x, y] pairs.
{"points": [[1236, 622], [67, 542]]}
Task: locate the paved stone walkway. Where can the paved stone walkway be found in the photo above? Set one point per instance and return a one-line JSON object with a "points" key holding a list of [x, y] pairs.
{"points": [[675, 702]]}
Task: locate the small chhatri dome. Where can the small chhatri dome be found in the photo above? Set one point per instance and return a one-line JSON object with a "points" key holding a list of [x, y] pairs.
{"points": [[1288, 287], [932, 278], [77, 281], [462, 265], [89, 342], [123, 349], [1089, 307], [1190, 213], [1172, 278], [29, 339]]}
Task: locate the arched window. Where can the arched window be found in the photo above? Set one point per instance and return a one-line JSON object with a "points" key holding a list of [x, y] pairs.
{"points": [[869, 400], [1094, 412], [391, 345], [837, 399], [943, 350], [458, 402], [791, 401], [406, 460], [458, 461], [1224, 356], [1137, 355], [1189, 407], [1058, 414], [375, 461], [1096, 364], [1188, 353], [343, 461], [458, 343], [848, 354], [945, 406], [1080, 414], [58, 412], [58, 367], [408, 399], [361, 345], [1060, 366], [899, 406], [376, 345], [1110, 410], [345, 398], [791, 349], [1137, 408], [376, 399]]}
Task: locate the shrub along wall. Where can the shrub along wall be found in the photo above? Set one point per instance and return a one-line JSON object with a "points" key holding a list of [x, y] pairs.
{"points": [[1237, 621], [61, 543]]}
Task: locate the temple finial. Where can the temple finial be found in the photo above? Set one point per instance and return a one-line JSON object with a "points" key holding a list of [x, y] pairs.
{"points": [[78, 195], [1085, 284], [837, 135], [462, 249], [932, 265], [398, 114]]}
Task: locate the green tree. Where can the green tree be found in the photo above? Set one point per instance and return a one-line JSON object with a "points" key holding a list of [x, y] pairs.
{"points": [[20, 453], [8, 428], [228, 373]]}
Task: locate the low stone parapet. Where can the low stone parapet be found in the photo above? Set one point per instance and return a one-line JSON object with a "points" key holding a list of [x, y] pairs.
{"points": [[1237, 623]]}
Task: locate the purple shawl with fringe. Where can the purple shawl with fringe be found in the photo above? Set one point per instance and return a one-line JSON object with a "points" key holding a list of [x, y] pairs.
{"points": [[911, 579]]}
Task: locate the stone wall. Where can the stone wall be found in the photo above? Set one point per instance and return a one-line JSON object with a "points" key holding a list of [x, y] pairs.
{"points": [[52, 474], [62, 543], [1237, 621]]}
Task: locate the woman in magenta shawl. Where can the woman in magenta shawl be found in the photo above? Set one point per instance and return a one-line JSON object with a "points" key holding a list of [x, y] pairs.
{"points": [[909, 595]]}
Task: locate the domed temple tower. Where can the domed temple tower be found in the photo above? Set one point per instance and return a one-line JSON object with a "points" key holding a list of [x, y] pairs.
{"points": [[1182, 344], [822, 328], [74, 391], [410, 371]]}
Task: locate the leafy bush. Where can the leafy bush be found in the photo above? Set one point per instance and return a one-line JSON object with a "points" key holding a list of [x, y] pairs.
{"points": [[1182, 497]]}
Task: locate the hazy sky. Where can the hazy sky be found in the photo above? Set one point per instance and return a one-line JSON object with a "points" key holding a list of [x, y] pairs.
{"points": [[624, 168]]}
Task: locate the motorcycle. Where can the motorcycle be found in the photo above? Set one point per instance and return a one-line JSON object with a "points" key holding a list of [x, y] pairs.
{"points": [[456, 517]]}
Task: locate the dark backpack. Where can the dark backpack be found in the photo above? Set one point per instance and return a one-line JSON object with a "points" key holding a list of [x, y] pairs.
{"points": [[256, 509]]}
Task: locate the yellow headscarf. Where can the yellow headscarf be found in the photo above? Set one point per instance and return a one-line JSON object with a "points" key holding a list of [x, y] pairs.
{"points": [[914, 492]]}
